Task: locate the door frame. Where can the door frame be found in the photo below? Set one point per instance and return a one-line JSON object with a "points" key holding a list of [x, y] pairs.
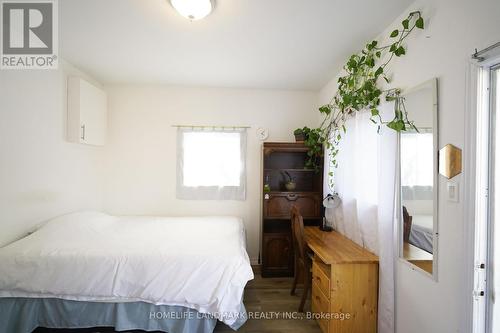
{"points": [[492, 160], [477, 171]]}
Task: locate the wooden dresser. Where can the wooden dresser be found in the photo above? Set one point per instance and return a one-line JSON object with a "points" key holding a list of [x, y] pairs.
{"points": [[280, 158], [345, 283]]}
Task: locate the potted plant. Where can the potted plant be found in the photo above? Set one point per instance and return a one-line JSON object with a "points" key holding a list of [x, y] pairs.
{"points": [[299, 135], [313, 139], [290, 183]]}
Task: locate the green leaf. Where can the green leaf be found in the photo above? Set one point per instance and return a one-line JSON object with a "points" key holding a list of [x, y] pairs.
{"points": [[375, 112], [379, 71], [393, 47], [371, 46], [397, 125], [392, 125], [344, 129], [378, 54], [400, 51], [406, 23], [326, 109], [395, 33], [419, 23]]}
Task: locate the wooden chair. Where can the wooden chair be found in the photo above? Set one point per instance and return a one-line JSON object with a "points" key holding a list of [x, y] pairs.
{"points": [[303, 258], [407, 222]]}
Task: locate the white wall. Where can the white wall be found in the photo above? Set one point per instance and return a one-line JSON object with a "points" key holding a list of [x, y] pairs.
{"points": [[41, 175], [141, 151], [453, 29]]}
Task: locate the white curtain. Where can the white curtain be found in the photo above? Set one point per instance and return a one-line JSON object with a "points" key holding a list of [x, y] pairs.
{"points": [[211, 164], [366, 182]]}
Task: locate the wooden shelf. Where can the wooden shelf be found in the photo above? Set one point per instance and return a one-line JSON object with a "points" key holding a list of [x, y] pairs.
{"points": [[293, 192], [291, 170], [277, 245]]}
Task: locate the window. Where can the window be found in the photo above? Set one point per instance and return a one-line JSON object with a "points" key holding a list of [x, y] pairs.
{"points": [[416, 159], [211, 164]]}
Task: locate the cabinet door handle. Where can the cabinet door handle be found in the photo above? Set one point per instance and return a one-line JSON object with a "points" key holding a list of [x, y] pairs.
{"points": [[291, 197], [83, 132]]}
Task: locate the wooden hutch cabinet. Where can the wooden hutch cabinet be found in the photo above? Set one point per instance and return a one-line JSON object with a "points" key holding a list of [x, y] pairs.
{"points": [[277, 244]]}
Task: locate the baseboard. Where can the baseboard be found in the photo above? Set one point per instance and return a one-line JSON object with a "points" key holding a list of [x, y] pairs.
{"points": [[256, 269]]}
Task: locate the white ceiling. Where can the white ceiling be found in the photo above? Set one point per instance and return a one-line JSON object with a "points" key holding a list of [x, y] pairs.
{"points": [[276, 44]]}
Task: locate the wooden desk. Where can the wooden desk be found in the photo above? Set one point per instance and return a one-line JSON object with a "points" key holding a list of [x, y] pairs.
{"points": [[418, 257], [345, 283]]}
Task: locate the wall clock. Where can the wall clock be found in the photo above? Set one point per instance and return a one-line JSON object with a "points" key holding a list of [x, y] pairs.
{"points": [[262, 133]]}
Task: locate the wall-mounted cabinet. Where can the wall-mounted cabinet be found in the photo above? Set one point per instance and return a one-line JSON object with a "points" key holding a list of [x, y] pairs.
{"points": [[87, 112]]}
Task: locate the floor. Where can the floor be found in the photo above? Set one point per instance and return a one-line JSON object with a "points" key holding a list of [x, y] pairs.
{"points": [[270, 296], [273, 295]]}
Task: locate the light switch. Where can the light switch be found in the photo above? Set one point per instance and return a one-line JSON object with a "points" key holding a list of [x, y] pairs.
{"points": [[452, 191]]}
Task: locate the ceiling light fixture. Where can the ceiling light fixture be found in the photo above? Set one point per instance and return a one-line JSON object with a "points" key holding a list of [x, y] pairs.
{"points": [[192, 9]]}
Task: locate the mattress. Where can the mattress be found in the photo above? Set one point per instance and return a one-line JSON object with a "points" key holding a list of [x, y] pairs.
{"points": [[421, 234], [195, 262]]}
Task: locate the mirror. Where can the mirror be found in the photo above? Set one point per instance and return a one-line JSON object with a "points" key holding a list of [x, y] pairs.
{"points": [[418, 181]]}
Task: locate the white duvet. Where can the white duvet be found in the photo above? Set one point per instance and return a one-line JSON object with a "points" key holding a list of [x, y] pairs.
{"points": [[196, 262]]}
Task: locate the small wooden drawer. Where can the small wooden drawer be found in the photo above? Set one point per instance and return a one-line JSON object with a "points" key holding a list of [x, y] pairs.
{"points": [[321, 276], [320, 304], [279, 204]]}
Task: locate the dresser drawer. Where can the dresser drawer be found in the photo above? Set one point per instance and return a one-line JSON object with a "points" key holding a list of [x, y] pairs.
{"points": [[279, 205], [320, 304], [321, 276]]}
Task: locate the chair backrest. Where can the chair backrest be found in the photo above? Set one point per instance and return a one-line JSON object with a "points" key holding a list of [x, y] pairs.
{"points": [[298, 232], [407, 222]]}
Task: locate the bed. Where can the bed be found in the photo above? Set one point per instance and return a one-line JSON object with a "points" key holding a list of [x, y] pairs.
{"points": [[421, 233], [91, 269]]}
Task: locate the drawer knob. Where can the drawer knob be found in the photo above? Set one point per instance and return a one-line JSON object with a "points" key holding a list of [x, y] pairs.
{"points": [[291, 197]]}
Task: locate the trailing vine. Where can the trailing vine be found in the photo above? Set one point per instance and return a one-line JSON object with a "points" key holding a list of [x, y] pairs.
{"points": [[359, 90]]}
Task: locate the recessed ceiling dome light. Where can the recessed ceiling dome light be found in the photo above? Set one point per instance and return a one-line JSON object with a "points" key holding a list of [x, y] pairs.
{"points": [[192, 9]]}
